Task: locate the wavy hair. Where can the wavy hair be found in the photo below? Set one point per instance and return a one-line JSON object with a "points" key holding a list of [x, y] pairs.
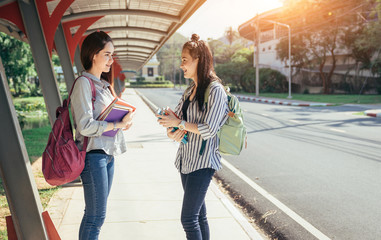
{"points": [[205, 71]]}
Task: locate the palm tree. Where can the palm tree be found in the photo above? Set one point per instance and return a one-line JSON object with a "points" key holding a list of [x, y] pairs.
{"points": [[231, 35]]}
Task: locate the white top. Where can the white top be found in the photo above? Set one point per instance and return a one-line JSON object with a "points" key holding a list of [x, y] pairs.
{"points": [[84, 116]]}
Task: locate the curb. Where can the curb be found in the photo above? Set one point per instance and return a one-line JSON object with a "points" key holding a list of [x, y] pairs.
{"points": [[239, 217], [264, 100], [372, 113], [151, 106]]}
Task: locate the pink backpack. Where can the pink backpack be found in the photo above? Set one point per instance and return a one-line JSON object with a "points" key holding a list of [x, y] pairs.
{"points": [[62, 162]]}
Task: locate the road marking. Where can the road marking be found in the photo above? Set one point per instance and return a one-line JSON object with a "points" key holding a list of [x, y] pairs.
{"points": [[294, 121], [264, 114], [314, 231], [337, 130]]}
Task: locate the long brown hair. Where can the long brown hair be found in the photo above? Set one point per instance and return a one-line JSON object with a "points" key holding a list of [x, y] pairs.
{"points": [[205, 71], [93, 44]]}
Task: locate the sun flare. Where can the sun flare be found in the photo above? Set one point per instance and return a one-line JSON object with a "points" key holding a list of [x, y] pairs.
{"points": [[215, 16]]}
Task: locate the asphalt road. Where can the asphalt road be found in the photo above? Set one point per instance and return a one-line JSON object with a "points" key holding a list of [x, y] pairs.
{"points": [[321, 163]]}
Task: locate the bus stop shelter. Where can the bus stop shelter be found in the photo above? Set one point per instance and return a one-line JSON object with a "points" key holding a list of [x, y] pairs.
{"points": [[138, 28]]}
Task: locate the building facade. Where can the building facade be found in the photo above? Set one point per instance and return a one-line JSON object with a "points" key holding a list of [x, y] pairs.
{"points": [[272, 27], [150, 71]]}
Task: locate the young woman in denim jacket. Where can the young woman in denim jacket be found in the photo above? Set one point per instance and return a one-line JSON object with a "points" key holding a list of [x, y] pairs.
{"points": [[96, 56], [197, 161]]}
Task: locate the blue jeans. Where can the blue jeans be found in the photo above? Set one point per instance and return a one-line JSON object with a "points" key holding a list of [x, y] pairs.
{"points": [[96, 179], [193, 213]]}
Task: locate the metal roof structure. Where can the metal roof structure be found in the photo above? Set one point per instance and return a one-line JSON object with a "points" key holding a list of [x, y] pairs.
{"points": [[138, 27]]}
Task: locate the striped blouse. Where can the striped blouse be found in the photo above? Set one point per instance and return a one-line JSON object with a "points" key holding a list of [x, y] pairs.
{"points": [[188, 158]]}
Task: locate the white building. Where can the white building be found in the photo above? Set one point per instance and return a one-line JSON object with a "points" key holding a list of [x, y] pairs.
{"points": [[150, 71], [270, 35]]}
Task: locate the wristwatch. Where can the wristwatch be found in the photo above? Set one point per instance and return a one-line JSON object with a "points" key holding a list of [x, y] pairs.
{"points": [[182, 125]]}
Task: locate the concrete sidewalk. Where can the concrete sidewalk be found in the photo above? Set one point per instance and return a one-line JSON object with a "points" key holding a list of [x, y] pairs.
{"points": [[146, 196]]}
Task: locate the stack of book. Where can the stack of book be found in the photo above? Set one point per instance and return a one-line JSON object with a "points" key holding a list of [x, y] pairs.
{"points": [[115, 112]]}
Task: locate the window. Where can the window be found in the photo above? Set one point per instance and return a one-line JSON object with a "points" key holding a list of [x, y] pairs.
{"points": [[150, 72]]}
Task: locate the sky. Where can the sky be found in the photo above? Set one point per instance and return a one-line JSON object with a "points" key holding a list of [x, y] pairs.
{"points": [[215, 16]]}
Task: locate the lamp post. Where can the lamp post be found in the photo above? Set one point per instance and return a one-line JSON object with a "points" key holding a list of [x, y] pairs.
{"points": [[289, 54], [256, 54], [257, 41]]}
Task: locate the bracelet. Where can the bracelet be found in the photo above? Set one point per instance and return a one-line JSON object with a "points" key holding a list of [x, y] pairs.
{"points": [[115, 129]]}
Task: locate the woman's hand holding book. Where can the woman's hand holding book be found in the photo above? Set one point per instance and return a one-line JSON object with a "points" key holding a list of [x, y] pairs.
{"points": [[126, 122]]}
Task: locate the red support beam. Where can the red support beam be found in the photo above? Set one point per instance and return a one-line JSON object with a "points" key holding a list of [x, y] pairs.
{"points": [[50, 21], [11, 12], [74, 40]]}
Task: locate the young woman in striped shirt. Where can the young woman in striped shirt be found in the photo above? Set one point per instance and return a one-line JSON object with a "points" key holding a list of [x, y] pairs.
{"points": [[199, 158]]}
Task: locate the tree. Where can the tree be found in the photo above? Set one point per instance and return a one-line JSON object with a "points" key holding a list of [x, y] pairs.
{"points": [[18, 62], [169, 56], [317, 30], [270, 80], [223, 53], [362, 40], [232, 71], [231, 35], [217, 48], [366, 46]]}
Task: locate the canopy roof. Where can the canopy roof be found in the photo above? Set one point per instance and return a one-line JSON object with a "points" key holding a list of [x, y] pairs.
{"points": [[138, 27]]}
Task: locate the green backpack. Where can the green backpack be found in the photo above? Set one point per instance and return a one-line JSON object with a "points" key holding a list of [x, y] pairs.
{"points": [[232, 134]]}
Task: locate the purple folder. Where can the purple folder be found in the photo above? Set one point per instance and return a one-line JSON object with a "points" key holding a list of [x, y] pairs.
{"points": [[115, 115]]}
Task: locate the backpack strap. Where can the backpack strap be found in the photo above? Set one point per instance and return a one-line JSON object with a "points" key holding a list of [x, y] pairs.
{"points": [[202, 149], [206, 98], [93, 94]]}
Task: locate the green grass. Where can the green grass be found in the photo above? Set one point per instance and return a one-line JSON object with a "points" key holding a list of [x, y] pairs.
{"points": [[335, 99], [46, 194], [358, 114], [3, 234], [29, 100], [36, 140]]}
